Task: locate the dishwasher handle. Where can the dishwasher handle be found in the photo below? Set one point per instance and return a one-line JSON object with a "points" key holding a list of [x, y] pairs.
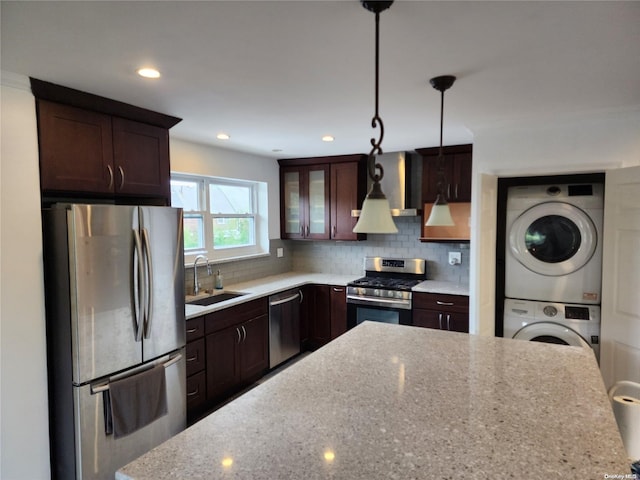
{"points": [[273, 303]]}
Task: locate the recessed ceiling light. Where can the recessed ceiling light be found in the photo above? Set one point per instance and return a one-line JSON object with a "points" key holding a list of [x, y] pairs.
{"points": [[149, 73], [276, 150], [223, 136], [328, 138]]}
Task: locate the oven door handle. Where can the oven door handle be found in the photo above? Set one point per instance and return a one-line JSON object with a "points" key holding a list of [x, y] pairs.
{"points": [[372, 301]]}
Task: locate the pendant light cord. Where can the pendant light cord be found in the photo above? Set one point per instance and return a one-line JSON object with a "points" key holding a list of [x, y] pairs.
{"points": [[440, 185], [441, 84], [376, 121]]}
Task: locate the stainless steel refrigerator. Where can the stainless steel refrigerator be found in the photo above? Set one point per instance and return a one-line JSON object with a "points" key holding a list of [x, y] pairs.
{"points": [[114, 283]]}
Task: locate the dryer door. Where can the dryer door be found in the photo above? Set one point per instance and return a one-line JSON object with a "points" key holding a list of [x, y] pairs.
{"points": [[553, 238], [548, 332]]}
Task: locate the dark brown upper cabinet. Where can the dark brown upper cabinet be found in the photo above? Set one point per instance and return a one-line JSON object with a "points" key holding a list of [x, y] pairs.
{"points": [[91, 146], [457, 171], [318, 194]]}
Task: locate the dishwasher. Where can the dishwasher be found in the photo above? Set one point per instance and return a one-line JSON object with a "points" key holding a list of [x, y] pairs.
{"points": [[284, 326]]}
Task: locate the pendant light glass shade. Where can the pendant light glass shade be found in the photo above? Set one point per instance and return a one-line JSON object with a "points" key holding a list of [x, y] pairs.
{"points": [[440, 214], [375, 216]]}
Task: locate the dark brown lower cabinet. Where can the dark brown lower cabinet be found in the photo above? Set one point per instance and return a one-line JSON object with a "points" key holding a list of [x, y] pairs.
{"points": [[325, 308], [196, 394], [319, 316], [338, 310], [237, 347], [226, 350], [222, 362], [196, 363], [440, 311]]}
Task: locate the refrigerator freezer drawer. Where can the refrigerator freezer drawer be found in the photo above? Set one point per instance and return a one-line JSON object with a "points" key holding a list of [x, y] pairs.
{"points": [[98, 455]]}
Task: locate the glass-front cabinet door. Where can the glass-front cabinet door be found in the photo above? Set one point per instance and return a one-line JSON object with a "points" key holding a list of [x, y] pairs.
{"points": [[304, 202], [292, 221], [318, 195]]}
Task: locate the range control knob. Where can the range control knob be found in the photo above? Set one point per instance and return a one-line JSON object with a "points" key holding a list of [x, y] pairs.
{"points": [[550, 311]]}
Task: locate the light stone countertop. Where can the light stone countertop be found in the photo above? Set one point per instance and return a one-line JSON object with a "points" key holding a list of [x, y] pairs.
{"points": [[436, 286], [398, 402], [265, 286], [277, 283]]}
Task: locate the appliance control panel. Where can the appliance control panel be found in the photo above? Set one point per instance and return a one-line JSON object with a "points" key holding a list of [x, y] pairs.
{"points": [[576, 313]]}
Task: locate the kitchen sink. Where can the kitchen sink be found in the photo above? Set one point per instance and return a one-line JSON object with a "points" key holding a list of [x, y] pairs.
{"points": [[216, 298]]}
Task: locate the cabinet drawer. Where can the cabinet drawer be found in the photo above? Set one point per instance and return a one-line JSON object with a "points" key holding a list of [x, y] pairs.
{"points": [[196, 390], [195, 328], [441, 320], [235, 315], [441, 302], [195, 356]]}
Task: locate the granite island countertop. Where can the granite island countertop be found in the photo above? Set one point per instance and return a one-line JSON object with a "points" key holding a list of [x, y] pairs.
{"points": [[398, 402]]}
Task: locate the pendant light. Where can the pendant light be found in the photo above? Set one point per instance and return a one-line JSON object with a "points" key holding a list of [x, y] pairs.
{"points": [[441, 213], [375, 216]]}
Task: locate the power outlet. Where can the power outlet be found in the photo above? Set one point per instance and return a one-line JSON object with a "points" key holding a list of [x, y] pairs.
{"points": [[455, 258], [279, 252]]}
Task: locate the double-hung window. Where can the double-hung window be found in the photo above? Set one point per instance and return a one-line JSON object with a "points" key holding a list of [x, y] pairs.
{"points": [[221, 217]]}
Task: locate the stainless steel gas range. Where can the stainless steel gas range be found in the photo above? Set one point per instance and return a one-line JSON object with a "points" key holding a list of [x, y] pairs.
{"points": [[384, 293]]}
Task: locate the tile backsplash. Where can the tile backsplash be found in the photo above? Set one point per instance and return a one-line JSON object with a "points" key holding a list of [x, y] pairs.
{"points": [[348, 257], [243, 270], [342, 258]]}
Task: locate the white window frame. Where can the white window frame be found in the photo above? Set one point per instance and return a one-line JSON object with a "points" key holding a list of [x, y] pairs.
{"points": [[260, 234]]}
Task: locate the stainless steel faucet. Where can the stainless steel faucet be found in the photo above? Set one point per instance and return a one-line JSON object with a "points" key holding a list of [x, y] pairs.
{"points": [[196, 287]]}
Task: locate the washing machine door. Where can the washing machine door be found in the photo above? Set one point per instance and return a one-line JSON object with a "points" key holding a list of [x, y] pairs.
{"points": [[553, 238], [548, 332]]}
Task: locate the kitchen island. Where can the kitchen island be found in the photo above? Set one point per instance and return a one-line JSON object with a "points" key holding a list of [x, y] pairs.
{"points": [[397, 402]]}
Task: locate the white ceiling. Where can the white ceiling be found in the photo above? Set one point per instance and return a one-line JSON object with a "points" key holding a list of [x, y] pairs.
{"points": [[277, 75]]}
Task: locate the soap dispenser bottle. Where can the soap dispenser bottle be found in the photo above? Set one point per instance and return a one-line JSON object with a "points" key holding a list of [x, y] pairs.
{"points": [[219, 280]]}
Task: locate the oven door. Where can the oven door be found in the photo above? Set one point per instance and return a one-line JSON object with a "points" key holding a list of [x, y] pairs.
{"points": [[358, 313]]}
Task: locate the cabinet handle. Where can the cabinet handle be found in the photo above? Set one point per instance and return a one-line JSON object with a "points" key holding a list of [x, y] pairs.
{"points": [[448, 190], [456, 191], [334, 231], [301, 230], [448, 320], [440, 320], [301, 296], [110, 170], [196, 392], [191, 330], [245, 333], [307, 231], [239, 335], [448, 304], [192, 359], [121, 177], [337, 289]]}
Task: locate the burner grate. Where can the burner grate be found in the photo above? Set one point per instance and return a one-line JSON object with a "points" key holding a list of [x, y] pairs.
{"points": [[386, 282]]}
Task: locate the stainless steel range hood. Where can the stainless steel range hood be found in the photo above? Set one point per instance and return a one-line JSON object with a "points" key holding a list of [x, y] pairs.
{"points": [[401, 183]]}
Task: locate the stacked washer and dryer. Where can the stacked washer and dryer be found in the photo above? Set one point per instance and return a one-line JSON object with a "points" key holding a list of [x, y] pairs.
{"points": [[553, 264]]}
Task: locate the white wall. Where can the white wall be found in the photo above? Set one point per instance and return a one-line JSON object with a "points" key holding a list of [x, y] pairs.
{"points": [[594, 143], [189, 157], [24, 434]]}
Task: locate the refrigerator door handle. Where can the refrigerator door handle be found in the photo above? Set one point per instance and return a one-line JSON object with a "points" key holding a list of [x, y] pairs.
{"points": [[105, 386], [149, 283], [138, 286]]}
